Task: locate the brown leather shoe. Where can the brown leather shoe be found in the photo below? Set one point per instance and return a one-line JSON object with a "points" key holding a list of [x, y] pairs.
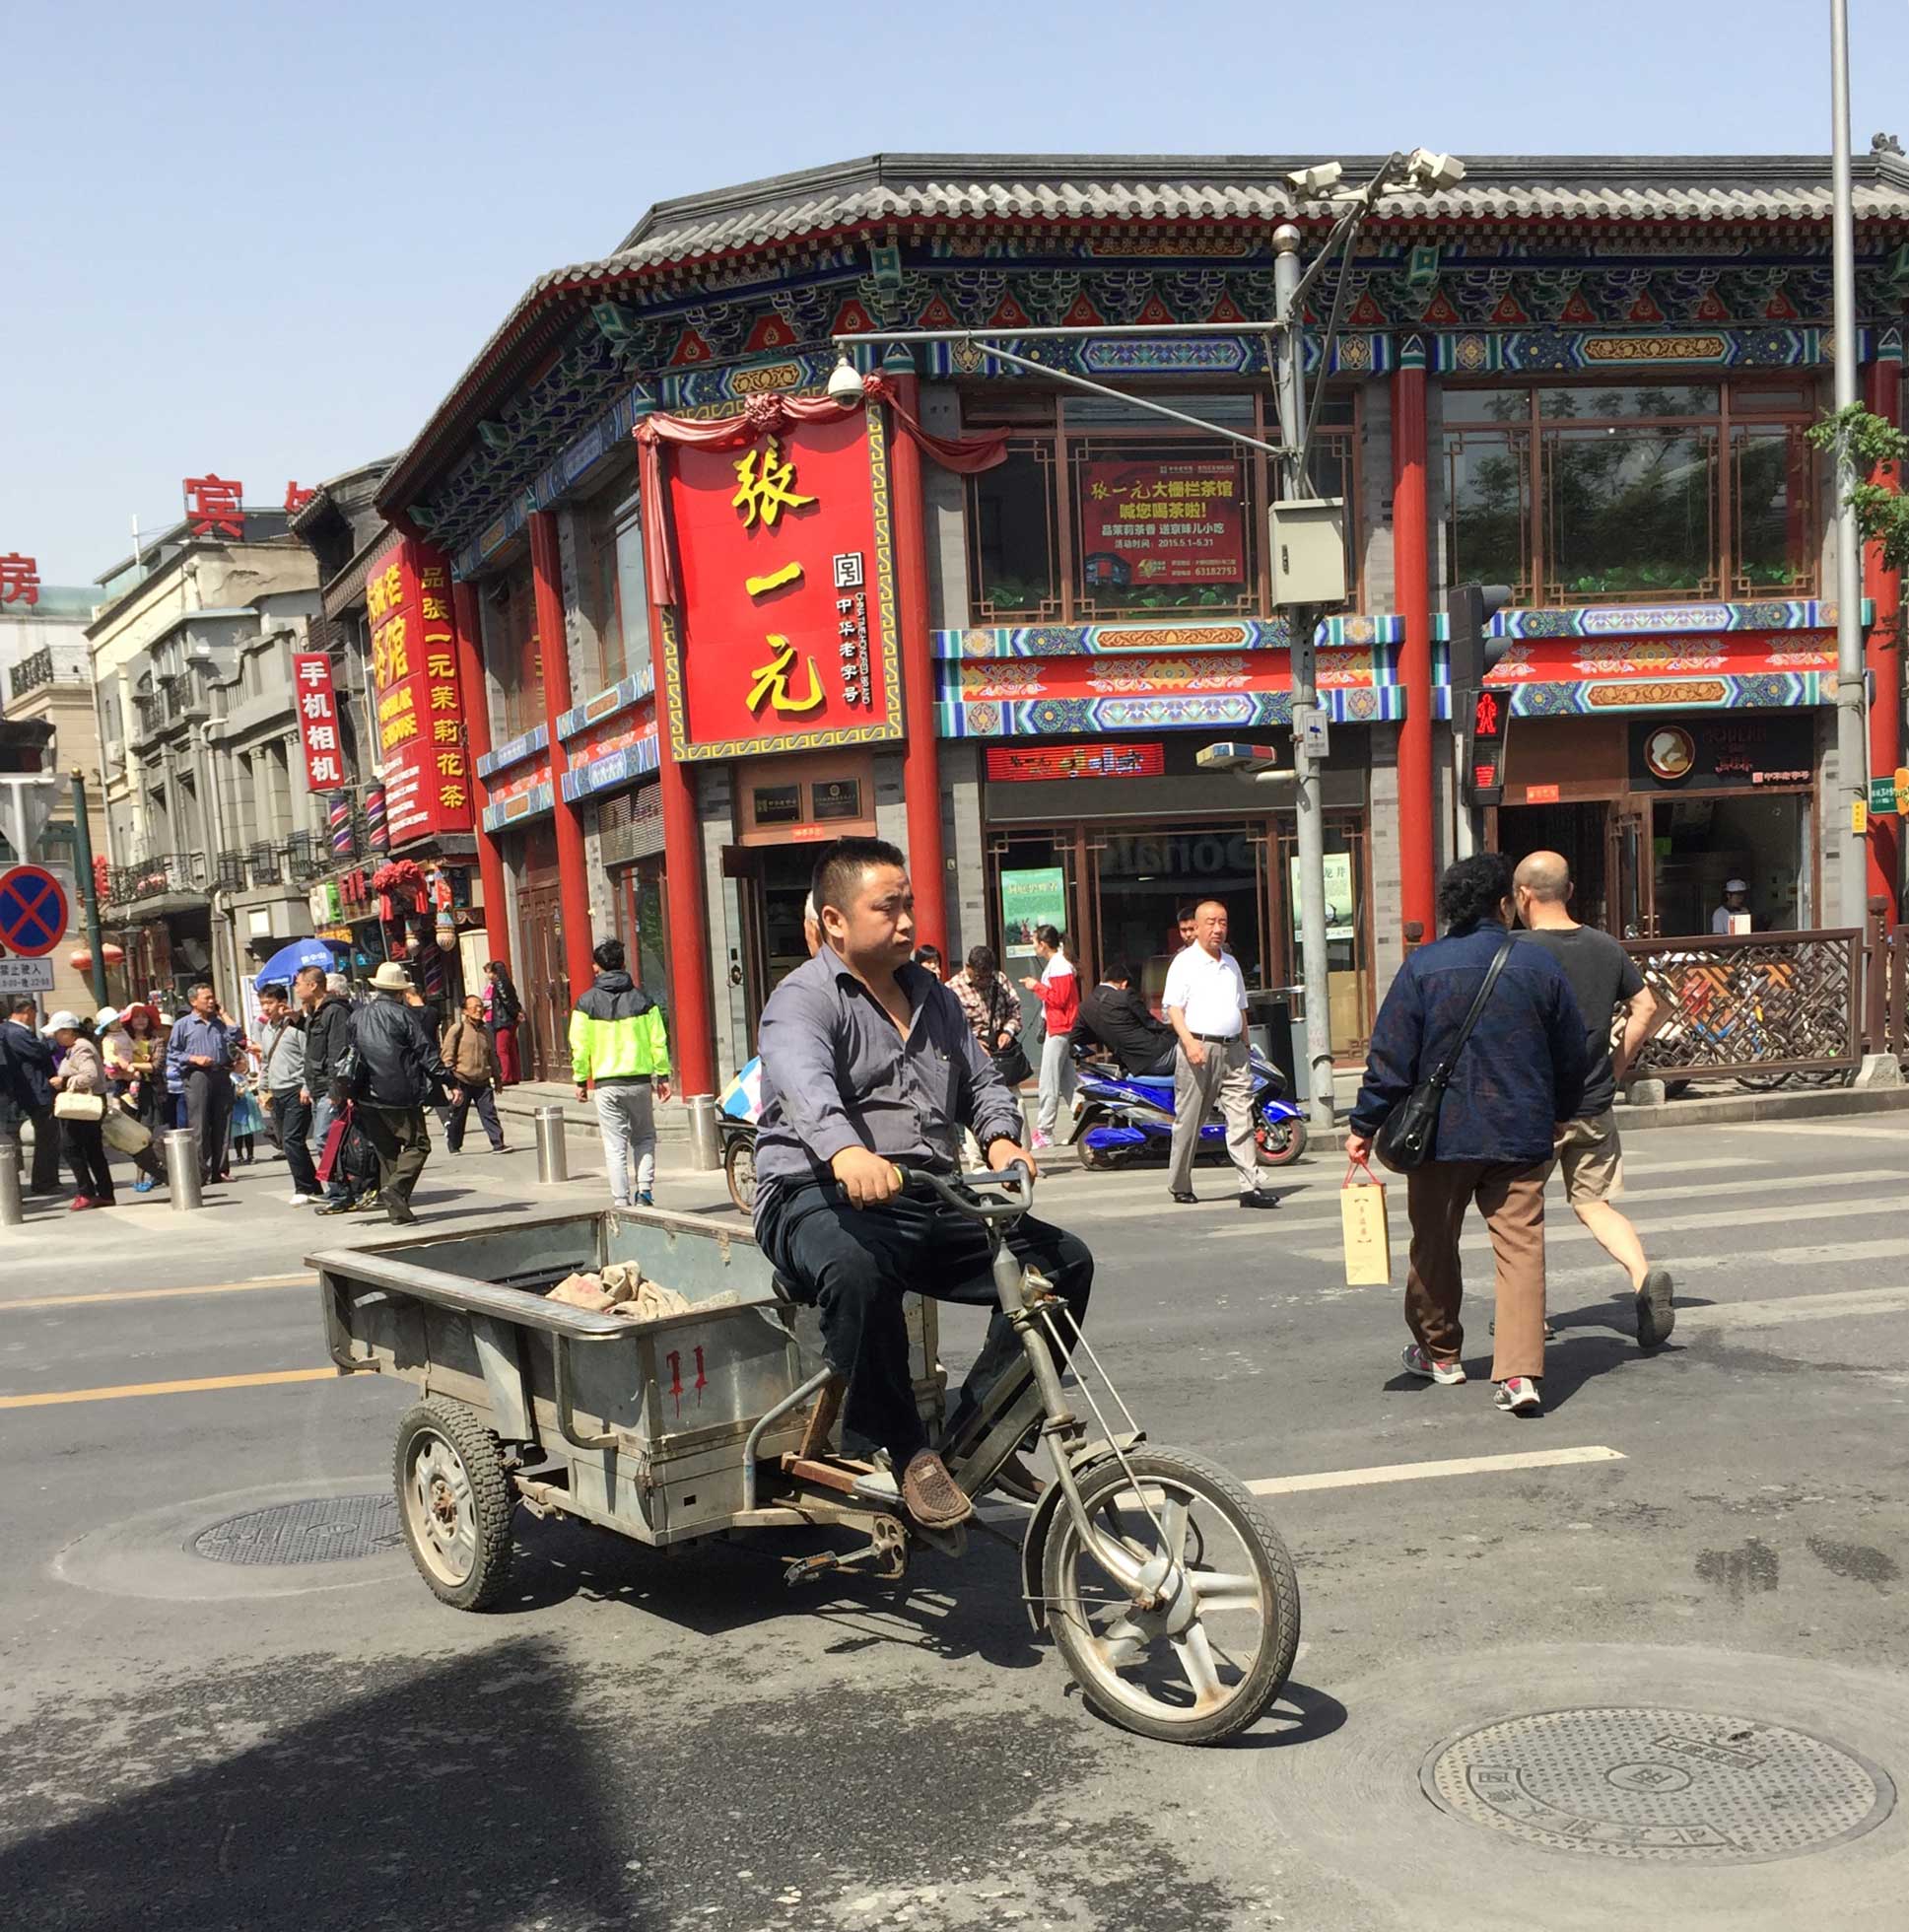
{"points": [[932, 1497]]}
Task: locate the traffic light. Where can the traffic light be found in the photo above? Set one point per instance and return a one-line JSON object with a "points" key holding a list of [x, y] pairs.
{"points": [[1482, 716]]}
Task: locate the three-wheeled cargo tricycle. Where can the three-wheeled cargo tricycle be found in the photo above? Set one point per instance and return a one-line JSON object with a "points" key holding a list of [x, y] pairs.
{"points": [[1169, 1596]]}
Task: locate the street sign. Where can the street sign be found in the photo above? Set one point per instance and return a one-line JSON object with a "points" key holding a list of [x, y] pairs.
{"points": [[26, 976], [33, 910], [1313, 736], [1882, 796], [1858, 816]]}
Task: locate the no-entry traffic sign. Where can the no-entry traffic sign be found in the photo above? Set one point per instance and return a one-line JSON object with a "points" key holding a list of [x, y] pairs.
{"points": [[33, 910]]}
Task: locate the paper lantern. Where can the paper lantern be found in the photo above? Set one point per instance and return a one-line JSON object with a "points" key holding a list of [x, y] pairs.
{"points": [[81, 961]]}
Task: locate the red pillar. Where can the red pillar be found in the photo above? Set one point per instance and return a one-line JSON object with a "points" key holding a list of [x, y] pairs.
{"points": [[467, 625], [572, 883], [921, 749], [1882, 396], [1412, 599], [689, 928]]}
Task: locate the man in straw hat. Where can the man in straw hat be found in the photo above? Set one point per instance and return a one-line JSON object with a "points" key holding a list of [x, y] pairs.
{"points": [[399, 1072]]}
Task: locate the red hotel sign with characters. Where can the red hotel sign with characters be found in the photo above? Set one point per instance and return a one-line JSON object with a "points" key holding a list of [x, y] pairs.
{"points": [[788, 610], [420, 707], [324, 755]]}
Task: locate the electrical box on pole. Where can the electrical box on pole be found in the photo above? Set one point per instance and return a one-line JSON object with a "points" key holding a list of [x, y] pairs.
{"points": [[1308, 551], [1481, 716]]}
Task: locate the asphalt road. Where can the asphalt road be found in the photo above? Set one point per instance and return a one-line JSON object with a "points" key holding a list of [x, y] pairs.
{"points": [[671, 1742]]}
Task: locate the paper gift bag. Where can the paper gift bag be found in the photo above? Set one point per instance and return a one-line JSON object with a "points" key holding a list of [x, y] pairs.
{"points": [[1362, 1220]]}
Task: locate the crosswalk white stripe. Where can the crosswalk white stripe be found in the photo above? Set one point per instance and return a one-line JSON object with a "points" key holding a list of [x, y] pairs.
{"points": [[1360, 1479], [1839, 1129], [1654, 1231], [1557, 1215], [1785, 1309]]}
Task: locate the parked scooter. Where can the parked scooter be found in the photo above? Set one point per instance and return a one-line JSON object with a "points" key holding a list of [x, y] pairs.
{"points": [[1123, 1117]]}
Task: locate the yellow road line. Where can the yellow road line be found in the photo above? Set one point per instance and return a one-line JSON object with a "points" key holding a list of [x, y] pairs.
{"points": [[155, 1295], [53, 1398]]}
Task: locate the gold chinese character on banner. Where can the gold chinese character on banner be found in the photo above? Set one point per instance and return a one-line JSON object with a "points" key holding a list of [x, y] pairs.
{"points": [[390, 658], [771, 681], [765, 485]]}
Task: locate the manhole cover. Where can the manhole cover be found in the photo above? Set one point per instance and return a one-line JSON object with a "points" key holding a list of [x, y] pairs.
{"points": [[319, 1530], [1686, 1786]]}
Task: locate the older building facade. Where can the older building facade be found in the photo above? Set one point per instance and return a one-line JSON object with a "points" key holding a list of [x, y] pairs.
{"points": [[717, 619]]}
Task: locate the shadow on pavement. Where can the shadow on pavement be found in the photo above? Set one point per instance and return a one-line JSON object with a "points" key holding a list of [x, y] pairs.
{"points": [[399, 1794]]}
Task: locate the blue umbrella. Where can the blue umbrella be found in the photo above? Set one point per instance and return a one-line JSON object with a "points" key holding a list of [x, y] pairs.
{"points": [[284, 963]]}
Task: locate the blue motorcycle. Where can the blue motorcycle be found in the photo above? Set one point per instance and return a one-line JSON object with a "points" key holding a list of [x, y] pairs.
{"points": [[1123, 1117]]}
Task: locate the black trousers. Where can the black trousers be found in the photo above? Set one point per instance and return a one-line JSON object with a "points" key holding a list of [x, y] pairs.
{"points": [[459, 1112], [45, 1175], [854, 1264], [293, 1118], [397, 1138], [86, 1149], [208, 1113]]}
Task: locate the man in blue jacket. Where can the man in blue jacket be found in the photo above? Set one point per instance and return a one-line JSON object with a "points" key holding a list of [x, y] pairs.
{"points": [[1520, 1077]]}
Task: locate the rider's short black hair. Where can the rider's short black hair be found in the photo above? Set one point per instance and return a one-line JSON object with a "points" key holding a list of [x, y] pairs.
{"points": [[839, 871], [1119, 972], [1472, 890], [608, 954]]}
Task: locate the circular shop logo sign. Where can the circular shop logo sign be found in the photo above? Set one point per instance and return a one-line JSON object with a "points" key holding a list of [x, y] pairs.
{"points": [[1671, 752]]}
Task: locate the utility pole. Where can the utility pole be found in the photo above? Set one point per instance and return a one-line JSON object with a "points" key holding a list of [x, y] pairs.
{"points": [[1852, 723], [88, 891], [1303, 619]]}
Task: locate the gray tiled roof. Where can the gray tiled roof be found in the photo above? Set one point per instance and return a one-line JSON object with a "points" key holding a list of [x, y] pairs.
{"points": [[1218, 188]]}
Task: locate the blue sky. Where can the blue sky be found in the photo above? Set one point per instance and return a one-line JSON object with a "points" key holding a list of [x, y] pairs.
{"points": [[264, 239]]}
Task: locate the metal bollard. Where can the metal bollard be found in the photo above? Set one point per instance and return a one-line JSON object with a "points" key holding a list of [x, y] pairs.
{"points": [[12, 1212], [706, 1152], [553, 1164], [182, 1169]]}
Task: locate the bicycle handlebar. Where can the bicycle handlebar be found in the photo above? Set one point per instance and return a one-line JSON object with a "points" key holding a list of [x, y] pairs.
{"points": [[966, 1193]]}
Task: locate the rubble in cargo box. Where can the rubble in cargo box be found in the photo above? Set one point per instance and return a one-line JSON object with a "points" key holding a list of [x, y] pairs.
{"points": [[622, 1288]]}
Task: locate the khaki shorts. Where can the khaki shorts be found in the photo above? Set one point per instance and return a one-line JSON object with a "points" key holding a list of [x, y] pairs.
{"points": [[1591, 1158]]}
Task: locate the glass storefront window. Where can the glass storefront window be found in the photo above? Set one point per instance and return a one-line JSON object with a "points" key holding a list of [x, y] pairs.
{"points": [[509, 605], [1011, 536], [1580, 492], [1143, 878], [611, 586]]}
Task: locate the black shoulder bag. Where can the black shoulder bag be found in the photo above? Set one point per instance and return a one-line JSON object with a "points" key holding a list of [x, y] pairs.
{"points": [[1404, 1137]]}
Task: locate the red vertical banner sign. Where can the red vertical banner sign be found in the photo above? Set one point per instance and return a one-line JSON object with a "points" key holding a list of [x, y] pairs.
{"points": [[1882, 396], [787, 604], [1413, 599], [317, 701], [420, 698]]}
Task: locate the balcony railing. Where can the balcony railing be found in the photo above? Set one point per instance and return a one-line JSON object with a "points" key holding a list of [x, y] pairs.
{"points": [[307, 855], [31, 672], [266, 864], [155, 877]]}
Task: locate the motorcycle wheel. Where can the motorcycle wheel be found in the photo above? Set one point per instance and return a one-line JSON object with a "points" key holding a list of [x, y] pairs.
{"points": [[1280, 1146], [739, 1170], [1210, 1662]]}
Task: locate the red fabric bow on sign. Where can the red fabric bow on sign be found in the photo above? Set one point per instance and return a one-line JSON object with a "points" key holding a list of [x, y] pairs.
{"points": [[764, 416], [398, 879]]}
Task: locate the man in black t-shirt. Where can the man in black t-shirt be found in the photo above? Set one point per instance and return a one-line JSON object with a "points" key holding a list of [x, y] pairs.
{"points": [[1606, 980]]}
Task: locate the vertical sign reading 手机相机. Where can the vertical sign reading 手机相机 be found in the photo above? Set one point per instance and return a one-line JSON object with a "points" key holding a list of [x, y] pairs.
{"points": [[317, 702], [786, 638], [421, 747]]}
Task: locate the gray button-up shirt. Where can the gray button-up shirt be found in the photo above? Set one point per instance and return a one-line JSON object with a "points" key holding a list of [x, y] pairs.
{"points": [[836, 1072]]}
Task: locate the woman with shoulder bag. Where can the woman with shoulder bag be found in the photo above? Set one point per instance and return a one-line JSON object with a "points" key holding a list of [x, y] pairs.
{"points": [[992, 1012], [1478, 1051], [80, 1102], [503, 1014]]}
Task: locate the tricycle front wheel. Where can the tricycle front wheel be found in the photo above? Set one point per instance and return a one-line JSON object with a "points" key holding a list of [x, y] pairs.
{"points": [[739, 1171], [1208, 1659], [454, 1502]]}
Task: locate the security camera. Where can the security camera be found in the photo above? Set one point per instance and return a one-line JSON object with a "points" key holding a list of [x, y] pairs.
{"points": [[1317, 179], [846, 386], [1428, 170]]}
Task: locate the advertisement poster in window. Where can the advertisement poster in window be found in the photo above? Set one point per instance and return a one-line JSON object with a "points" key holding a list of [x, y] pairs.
{"points": [[1341, 913], [1160, 522], [1029, 899]]}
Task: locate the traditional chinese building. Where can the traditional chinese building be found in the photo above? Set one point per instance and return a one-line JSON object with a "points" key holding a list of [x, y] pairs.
{"points": [[716, 618]]}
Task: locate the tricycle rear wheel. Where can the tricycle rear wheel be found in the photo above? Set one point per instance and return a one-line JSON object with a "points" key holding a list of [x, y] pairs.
{"points": [[454, 1500], [1208, 1660]]}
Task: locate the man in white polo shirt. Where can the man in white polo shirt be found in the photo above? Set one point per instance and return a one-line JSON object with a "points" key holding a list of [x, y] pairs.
{"points": [[1206, 1002]]}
